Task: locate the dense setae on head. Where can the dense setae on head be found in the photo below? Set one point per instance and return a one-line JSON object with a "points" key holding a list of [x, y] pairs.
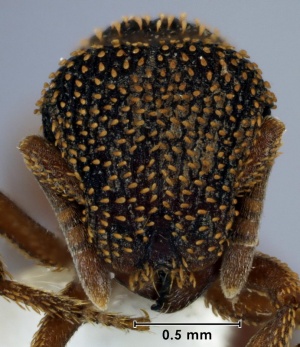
{"points": [[156, 119]]}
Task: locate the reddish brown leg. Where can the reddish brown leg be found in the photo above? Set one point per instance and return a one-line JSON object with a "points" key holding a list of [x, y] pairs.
{"points": [[43, 301], [237, 259], [62, 307], [65, 312], [271, 297], [56, 331], [37, 242]]}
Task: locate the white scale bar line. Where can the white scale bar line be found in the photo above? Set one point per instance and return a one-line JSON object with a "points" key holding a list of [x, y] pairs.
{"points": [[137, 324]]}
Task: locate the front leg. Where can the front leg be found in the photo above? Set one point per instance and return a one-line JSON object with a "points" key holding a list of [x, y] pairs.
{"points": [[27, 235], [65, 196], [55, 330], [270, 297]]}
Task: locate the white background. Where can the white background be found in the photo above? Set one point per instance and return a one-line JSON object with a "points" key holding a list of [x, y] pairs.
{"points": [[34, 35]]}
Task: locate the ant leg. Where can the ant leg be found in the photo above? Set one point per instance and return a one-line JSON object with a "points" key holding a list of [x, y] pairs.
{"points": [[56, 331], [30, 237], [270, 297]]}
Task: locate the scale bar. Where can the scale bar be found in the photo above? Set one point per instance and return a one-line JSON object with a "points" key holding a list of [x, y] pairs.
{"points": [[137, 324]]}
